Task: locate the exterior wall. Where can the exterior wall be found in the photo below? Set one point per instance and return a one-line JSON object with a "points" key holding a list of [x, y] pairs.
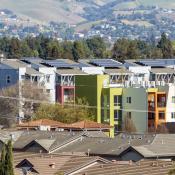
{"points": [[51, 84], [60, 93], [170, 106], [93, 70], [86, 87], [138, 107], [108, 105], [14, 77]]}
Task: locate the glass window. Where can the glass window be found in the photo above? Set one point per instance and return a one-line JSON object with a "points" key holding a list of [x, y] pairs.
{"points": [[161, 115], [173, 99], [48, 78], [173, 115], [128, 99], [117, 100]]}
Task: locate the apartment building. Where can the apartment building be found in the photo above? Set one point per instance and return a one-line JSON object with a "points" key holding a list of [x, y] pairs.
{"points": [[143, 90]]}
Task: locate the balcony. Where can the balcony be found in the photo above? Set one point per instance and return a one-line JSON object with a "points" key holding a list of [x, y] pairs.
{"points": [[161, 104]]}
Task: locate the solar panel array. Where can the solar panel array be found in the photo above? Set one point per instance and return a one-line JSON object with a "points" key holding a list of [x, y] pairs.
{"points": [[106, 63], [63, 64], [157, 62], [57, 63]]}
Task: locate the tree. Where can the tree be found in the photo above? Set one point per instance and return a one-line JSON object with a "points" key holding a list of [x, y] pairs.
{"points": [[6, 162], [129, 125], [2, 162], [9, 159], [15, 48], [24, 97], [97, 46], [65, 114], [78, 50], [67, 50], [171, 172], [166, 46], [126, 49]]}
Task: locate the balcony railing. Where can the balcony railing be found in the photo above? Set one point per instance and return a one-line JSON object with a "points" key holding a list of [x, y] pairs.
{"points": [[161, 104]]}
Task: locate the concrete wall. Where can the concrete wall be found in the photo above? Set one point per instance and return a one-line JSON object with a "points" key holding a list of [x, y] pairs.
{"points": [[136, 107]]}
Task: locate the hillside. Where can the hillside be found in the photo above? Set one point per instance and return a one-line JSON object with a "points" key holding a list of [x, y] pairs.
{"points": [[73, 11]]}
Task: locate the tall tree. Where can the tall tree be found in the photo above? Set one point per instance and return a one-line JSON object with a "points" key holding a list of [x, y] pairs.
{"points": [[97, 46], [166, 46], [2, 162], [9, 159], [78, 50]]}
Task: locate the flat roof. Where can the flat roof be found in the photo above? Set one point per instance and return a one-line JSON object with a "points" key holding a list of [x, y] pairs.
{"points": [[31, 71], [70, 72], [117, 71], [162, 71]]}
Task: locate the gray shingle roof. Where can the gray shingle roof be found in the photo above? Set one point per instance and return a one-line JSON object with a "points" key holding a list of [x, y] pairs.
{"points": [[162, 145], [105, 146]]}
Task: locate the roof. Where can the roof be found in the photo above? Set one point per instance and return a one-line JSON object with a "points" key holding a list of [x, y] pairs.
{"points": [[67, 164], [31, 71], [14, 63], [44, 138], [87, 124], [148, 167], [105, 146], [70, 72], [117, 71], [162, 71], [162, 146], [42, 122]]}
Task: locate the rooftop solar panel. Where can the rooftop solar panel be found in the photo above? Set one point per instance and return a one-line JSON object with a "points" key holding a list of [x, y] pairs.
{"points": [[106, 63]]}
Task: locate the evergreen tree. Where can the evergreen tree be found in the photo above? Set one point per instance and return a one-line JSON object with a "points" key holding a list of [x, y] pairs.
{"points": [[166, 46], [78, 50], [2, 162], [9, 159], [97, 46]]}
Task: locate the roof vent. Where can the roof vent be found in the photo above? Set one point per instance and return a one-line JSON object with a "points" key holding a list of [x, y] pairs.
{"points": [[52, 165]]}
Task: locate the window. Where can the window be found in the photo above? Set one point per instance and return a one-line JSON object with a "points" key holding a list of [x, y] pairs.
{"points": [[48, 78], [128, 99], [117, 100], [173, 99], [128, 115], [161, 115], [8, 79], [48, 91], [117, 115], [173, 115]]}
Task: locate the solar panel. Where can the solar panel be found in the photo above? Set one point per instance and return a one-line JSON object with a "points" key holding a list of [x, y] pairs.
{"points": [[158, 62], [57, 63], [106, 63]]}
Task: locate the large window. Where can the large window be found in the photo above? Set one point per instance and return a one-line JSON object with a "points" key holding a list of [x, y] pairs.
{"points": [[173, 115], [117, 115], [161, 115], [128, 99], [117, 100], [173, 99]]}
